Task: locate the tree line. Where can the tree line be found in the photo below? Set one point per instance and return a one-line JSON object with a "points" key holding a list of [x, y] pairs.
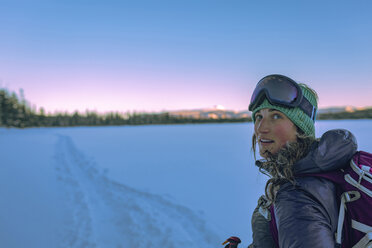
{"points": [[15, 111], [358, 114]]}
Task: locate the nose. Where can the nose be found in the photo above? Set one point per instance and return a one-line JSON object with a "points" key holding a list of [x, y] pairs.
{"points": [[263, 126]]}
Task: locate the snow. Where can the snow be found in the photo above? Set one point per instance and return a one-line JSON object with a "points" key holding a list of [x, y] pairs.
{"points": [[133, 186]]}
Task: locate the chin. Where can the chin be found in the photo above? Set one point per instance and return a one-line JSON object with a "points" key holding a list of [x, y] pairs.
{"points": [[266, 153]]}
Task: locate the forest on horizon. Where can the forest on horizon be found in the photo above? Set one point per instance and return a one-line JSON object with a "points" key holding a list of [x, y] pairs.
{"points": [[16, 111]]}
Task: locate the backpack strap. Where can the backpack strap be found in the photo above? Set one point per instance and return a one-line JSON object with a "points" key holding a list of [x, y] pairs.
{"points": [[363, 174], [361, 227], [365, 242], [345, 197]]}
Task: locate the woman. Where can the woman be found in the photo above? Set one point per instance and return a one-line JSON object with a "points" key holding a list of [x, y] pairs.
{"points": [[306, 208]]}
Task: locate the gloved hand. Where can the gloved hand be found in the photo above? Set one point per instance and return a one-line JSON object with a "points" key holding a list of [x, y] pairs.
{"points": [[232, 242]]}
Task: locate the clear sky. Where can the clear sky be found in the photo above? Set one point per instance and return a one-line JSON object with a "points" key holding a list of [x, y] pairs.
{"points": [[158, 55]]}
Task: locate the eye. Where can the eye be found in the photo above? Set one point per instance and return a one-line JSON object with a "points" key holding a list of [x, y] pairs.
{"points": [[276, 116], [258, 117]]}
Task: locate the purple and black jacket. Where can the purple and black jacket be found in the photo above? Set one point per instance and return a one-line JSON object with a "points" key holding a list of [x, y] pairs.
{"points": [[307, 213]]}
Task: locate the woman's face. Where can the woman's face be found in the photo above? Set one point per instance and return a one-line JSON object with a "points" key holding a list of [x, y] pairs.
{"points": [[273, 130]]}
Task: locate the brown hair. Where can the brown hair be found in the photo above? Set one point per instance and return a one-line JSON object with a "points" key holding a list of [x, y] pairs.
{"points": [[279, 166]]}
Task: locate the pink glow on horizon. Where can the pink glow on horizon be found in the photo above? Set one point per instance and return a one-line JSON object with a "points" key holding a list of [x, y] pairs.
{"points": [[85, 96], [105, 89]]}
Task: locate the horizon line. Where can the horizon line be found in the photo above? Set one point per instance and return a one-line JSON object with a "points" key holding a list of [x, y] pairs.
{"points": [[346, 107]]}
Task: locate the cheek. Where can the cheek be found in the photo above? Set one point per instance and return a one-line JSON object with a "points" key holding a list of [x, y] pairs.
{"points": [[285, 132]]}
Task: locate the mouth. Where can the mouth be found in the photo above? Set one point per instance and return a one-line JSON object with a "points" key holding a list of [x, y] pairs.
{"points": [[266, 141]]}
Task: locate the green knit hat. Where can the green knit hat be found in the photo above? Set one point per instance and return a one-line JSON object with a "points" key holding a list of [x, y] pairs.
{"points": [[296, 115]]}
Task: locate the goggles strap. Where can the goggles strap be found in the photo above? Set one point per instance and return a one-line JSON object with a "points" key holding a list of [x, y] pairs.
{"points": [[308, 108]]}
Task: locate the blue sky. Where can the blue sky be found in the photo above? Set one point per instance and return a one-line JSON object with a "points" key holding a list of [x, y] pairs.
{"points": [[167, 55]]}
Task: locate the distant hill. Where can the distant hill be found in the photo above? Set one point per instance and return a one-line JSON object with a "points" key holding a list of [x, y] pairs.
{"points": [[349, 113], [212, 113], [217, 113], [341, 109]]}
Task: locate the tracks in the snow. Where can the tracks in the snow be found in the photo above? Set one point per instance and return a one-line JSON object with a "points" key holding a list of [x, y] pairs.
{"points": [[103, 213]]}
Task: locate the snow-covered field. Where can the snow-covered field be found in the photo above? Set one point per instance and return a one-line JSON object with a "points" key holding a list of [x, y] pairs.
{"points": [[141, 186]]}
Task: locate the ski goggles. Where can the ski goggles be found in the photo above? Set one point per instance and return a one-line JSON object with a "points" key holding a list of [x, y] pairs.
{"points": [[283, 91]]}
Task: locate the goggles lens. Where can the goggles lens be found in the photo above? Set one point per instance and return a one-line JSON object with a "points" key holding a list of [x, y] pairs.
{"points": [[278, 89], [281, 90]]}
